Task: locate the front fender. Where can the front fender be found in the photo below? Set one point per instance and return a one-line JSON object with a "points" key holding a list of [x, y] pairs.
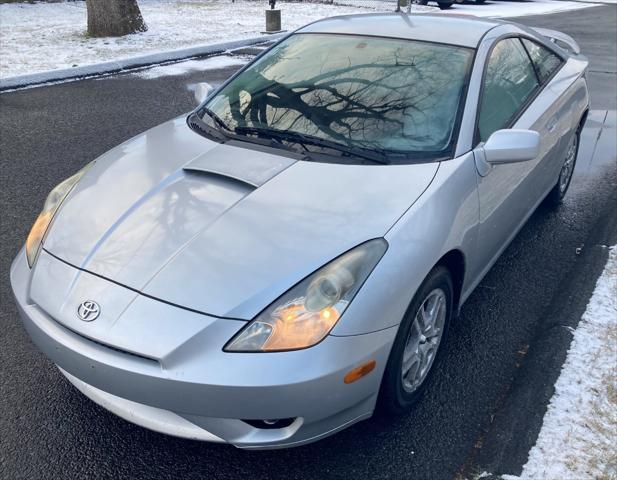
{"points": [[444, 218]]}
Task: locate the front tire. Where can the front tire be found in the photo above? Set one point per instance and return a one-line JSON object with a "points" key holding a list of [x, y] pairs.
{"points": [[444, 5], [556, 195], [417, 347]]}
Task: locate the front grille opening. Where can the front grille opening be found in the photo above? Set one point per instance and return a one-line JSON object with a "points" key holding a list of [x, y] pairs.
{"points": [[273, 424], [115, 349]]}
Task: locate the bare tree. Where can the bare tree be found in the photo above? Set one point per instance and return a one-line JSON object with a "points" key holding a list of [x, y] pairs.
{"points": [[114, 18]]}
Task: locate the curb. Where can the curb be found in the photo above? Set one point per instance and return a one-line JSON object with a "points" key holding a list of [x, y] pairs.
{"points": [[34, 79]]}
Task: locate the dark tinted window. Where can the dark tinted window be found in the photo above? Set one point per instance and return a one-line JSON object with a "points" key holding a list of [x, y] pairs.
{"points": [[509, 81], [545, 61], [399, 96]]}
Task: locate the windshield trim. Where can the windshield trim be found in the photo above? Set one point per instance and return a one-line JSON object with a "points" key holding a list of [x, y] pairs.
{"points": [[385, 37], [400, 158]]}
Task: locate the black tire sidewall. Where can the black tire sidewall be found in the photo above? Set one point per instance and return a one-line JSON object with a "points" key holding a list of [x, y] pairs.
{"points": [[393, 399]]}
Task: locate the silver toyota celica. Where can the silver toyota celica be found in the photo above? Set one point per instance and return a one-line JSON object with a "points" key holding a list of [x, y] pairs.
{"points": [[286, 260]]}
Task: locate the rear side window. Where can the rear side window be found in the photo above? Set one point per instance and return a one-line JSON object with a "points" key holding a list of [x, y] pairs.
{"points": [[509, 82], [545, 61]]}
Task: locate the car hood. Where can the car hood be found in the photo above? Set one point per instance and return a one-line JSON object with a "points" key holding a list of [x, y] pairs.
{"points": [[219, 228]]}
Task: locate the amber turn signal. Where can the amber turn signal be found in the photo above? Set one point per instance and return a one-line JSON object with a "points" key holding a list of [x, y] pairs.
{"points": [[359, 372]]}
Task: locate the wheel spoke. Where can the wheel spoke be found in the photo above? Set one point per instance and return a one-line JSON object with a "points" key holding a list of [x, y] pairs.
{"points": [[423, 318], [423, 362], [437, 311], [433, 333], [430, 328], [433, 305], [408, 359], [424, 352], [408, 365]]}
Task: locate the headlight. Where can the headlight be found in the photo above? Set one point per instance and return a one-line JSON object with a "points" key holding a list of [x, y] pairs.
{"points": [[52, 203], [304, 315]]}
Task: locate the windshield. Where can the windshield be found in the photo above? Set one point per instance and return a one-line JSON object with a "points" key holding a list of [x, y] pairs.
{"points": [[383, 95]]}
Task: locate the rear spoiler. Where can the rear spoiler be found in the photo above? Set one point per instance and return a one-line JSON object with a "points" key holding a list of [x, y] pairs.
{"points": [[561, 39]]}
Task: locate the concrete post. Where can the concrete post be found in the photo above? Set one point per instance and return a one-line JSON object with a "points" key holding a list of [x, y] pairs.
{"points": [[273, 21]]}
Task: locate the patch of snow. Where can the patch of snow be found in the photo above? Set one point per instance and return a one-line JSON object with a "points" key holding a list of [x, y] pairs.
{"points": [[579, 432], [180, 68], [516, 9], [48, 36]]}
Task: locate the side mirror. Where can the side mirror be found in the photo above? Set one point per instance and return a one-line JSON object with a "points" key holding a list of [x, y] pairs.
{"points": [[202, 90], [511, 146]]}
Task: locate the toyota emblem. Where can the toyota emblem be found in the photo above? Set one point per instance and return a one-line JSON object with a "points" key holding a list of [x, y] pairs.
{"points": [[88, 311]]}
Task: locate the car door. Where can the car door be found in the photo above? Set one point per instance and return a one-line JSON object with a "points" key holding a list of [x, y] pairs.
{"points": [[559, 99], [510, 98]]}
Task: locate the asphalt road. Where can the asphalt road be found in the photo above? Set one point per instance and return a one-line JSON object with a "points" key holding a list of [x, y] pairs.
{"points": [[484, 406]]}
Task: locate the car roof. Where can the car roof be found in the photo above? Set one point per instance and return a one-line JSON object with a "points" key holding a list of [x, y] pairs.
{"points": [[462, 30]]}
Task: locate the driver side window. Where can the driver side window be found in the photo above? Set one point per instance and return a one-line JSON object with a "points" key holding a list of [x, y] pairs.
{"points": [[508, 83]]}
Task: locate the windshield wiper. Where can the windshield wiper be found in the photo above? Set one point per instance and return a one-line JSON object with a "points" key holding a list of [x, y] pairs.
{"points": [[216, 119], [198, 125], [268, 140], [223, 134], [375, 156]]}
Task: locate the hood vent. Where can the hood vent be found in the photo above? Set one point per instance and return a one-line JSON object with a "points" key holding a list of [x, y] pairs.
{"points": [[244, 165], [218, 175]]}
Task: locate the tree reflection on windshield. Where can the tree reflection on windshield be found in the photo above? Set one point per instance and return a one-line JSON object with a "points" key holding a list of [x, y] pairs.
{"points": [[386, 94]]}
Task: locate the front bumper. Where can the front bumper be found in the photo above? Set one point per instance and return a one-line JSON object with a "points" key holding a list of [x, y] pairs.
{"points": [[200, 392]]}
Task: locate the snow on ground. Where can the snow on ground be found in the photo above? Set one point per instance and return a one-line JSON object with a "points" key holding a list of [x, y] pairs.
{"points": [[579, 432], [48, 36], [517, 9], [180, 68]]}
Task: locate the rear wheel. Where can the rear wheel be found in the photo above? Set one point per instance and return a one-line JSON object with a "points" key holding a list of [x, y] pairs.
{"points": [[417, 346], [555, 197], [444, 5]]}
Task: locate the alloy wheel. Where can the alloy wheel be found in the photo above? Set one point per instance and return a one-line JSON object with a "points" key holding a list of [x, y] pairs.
{"points": [[424, 339], [568, 165]]}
